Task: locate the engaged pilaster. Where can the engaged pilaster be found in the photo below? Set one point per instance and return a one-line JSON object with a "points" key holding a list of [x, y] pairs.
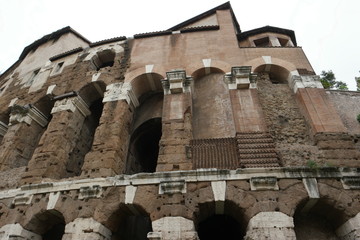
{"points": [[176, 122], [20, 138], [111, 138], [247, 111], [51, 157]]}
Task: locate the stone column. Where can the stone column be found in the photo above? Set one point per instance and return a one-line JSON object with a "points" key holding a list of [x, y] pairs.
{"points": [[176, 123], [86, 228], [350, 230], [247, 111], [271, 226], [22, 136], [173, 228], [51, 156], [109, 150], [15, 232]]}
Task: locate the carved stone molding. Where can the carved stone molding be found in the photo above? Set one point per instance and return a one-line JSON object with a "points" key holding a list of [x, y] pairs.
{"points": [[176, 82], [264, 183], [27, 114], [121, 91], [94, 191], [71, 104], [171, 187], [240, 78]]}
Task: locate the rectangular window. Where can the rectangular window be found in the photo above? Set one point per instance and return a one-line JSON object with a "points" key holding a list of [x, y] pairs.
{"points": [[58, 67], [34, 75]]}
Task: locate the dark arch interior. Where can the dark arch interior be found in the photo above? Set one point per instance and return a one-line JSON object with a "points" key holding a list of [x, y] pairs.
{"points": [[49, 224], [56, 232], [144, 147], [134, 227], [220, 227], [319, 222]]}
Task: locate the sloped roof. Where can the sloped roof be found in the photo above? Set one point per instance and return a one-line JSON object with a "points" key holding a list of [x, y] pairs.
{"points": [[48, 37], [224, 6]]}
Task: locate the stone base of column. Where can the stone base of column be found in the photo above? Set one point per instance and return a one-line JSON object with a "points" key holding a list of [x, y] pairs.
{"points": [[86, 228], [16, 231], [270, 225], [350, 230], [173, 228]]}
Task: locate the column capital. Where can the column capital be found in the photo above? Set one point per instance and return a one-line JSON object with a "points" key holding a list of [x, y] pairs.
{"points": [[240, 77], [121, 91], [71, 104], [176, 81], [305, 81], [27, 114]]}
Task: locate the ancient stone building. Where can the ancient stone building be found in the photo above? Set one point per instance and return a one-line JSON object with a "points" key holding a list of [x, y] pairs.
{"points": [[200, 131]]}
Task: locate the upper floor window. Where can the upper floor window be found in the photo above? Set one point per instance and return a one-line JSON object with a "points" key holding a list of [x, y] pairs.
{"points": [[58, 67], [33, 77], [262, 42]]}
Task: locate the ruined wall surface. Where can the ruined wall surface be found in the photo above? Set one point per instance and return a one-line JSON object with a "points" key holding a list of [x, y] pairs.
{"points": [[347, 104], [231, 155], [285, 122]]}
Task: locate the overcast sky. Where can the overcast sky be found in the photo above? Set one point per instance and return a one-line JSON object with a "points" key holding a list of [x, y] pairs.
{"points": [[328, 30]]}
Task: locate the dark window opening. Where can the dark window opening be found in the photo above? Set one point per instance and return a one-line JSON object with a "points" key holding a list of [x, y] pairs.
{"points": [[58, 67], [262, 42], [144, 147], [33, 76], [283, 42], [56, 232], [220, 227], [85, 140]]}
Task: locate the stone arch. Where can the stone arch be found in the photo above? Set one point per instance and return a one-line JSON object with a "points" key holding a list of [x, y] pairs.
{"points": [[129, 222], [277, 68], [228, 222], [50, 224], [319, 221], [146, 83], [206, 66]]}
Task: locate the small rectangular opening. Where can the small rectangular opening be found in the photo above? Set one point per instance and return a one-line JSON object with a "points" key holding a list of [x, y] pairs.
{"points": [[262, 42]]}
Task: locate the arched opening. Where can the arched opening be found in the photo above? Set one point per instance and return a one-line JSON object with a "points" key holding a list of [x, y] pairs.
{"points": [[220, 220], [4, 122], [144, 147], [277, 74], [103, 59], [219, 227], [317, 223], [49, 224], [127, 224]]}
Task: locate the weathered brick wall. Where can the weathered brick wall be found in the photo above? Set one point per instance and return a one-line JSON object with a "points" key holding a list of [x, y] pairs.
{"points": [[285, 122]]}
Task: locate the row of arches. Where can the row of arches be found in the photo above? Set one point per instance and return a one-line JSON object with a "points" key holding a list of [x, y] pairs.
{"points": [[146, 128], [320, 222]]}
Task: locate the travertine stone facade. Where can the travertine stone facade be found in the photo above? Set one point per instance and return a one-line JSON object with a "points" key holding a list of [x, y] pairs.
{"points": [[200, 131]]}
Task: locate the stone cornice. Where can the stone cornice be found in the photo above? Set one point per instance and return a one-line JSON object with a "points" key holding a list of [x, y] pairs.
{"points": [[183, 177]]}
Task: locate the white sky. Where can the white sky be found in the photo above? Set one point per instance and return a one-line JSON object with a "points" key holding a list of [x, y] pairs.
{"points": [[328, 30]]}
